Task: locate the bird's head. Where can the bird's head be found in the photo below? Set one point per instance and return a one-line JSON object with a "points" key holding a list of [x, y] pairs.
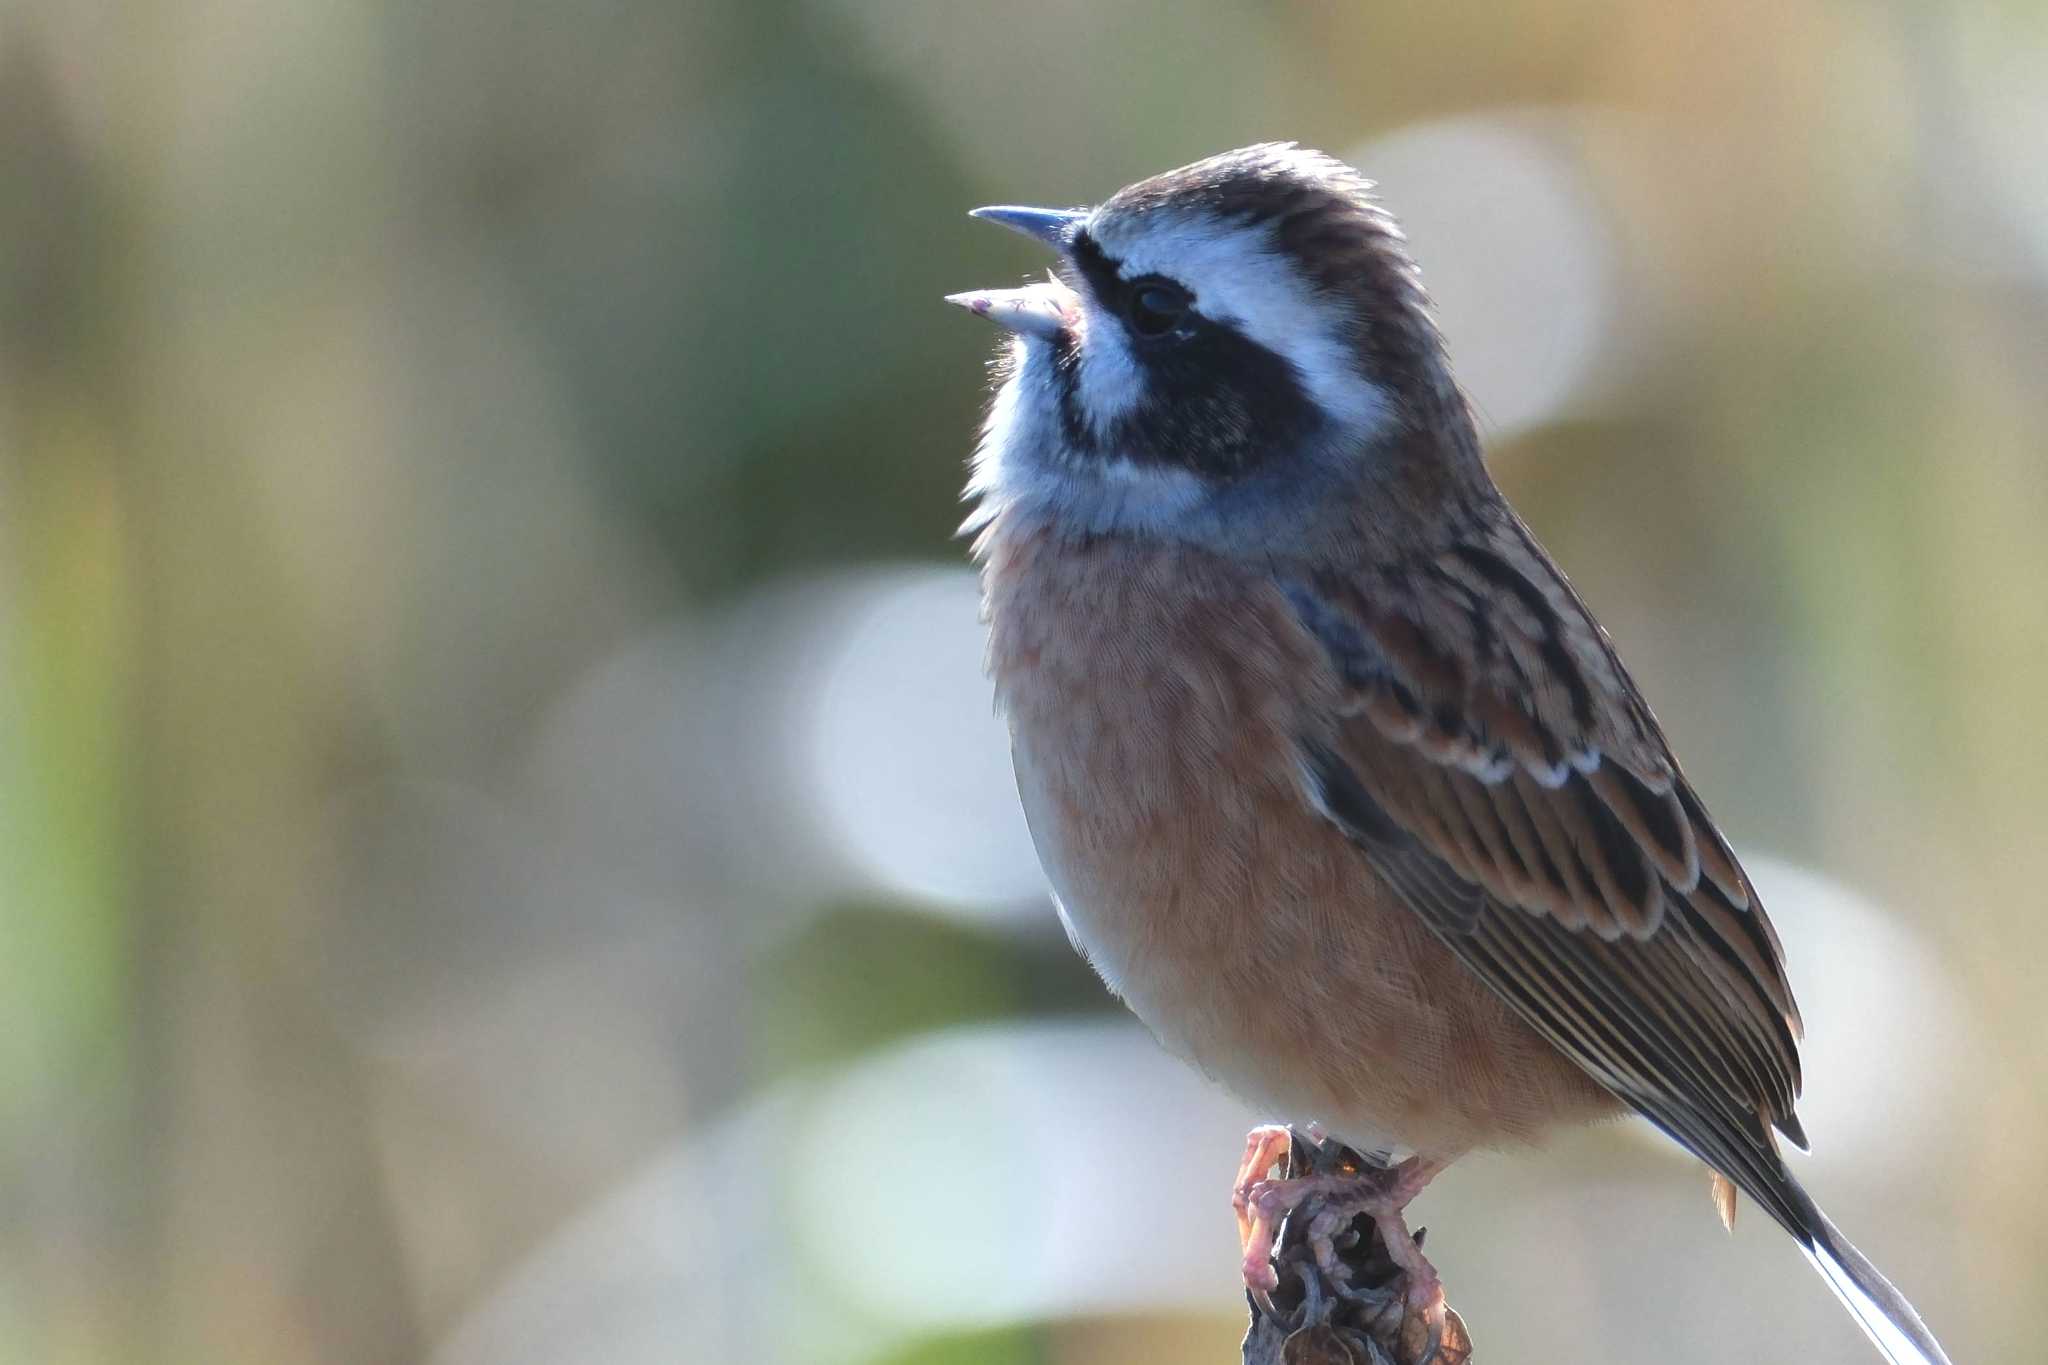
{"points": [[1219, 351]]}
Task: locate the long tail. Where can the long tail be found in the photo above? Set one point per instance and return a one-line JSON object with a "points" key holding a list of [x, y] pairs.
{"points": [[1882, 1311]]}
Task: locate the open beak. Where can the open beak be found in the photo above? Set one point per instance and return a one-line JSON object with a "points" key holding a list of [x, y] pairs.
{"points": [[1037, 309], [1054, 227]]}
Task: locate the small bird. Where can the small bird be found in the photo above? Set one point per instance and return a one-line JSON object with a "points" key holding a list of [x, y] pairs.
{"points": [[1337, 782]]}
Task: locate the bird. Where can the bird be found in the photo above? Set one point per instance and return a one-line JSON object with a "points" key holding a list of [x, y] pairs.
{"points": [[1335, 779]]}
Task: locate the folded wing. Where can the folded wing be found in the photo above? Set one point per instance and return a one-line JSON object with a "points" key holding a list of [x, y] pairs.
{"points": [[1490, 756]]}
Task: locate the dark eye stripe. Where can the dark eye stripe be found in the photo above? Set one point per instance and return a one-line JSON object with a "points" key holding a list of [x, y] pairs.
{"points": [[1098, 272], [1215, 401]]}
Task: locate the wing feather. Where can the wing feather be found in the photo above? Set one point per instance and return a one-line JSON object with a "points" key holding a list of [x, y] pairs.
{"points": [[1488, 752]]}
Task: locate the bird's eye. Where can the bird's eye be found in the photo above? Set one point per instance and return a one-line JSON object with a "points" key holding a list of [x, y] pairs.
{"points": [[1156, 307]]}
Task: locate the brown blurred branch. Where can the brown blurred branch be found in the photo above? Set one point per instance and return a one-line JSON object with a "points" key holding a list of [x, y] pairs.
{"points": [[1357, 1317]]}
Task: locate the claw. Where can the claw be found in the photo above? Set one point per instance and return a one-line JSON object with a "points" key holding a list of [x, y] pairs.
{"points": [[1378, 1280], [1424, 1295], [1257, 1220], [1262, 1203]]}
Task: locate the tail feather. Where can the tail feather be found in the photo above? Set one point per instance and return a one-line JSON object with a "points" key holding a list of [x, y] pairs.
{"points": [[1882, 1311]]}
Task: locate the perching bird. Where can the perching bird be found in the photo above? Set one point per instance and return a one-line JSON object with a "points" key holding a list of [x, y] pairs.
{"points": [[1336, 780]]}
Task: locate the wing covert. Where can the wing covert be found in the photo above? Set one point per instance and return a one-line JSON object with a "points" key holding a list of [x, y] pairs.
{"points": [[1490, 756]]}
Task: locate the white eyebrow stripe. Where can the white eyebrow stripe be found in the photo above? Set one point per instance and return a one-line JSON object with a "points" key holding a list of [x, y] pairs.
{"points": [[1237, 277]]}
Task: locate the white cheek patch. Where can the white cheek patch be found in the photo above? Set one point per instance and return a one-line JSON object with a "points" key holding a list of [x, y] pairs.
{"points": [[1109, 381], [1022, 462], [1237, 277]]}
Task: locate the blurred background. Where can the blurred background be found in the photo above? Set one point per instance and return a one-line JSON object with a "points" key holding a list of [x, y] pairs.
{"points": [[505, 855]]}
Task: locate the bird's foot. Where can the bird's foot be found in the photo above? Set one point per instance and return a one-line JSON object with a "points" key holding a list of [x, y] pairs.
{"points": [[1265, 1147], [1263, 1203], [1383, 1196]]}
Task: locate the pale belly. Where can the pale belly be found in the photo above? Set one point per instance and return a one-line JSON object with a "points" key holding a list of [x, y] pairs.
{"points": [[1205, 985]]}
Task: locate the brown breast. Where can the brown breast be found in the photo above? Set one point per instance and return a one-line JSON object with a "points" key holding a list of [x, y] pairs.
{"points": [[1154, 695]]}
